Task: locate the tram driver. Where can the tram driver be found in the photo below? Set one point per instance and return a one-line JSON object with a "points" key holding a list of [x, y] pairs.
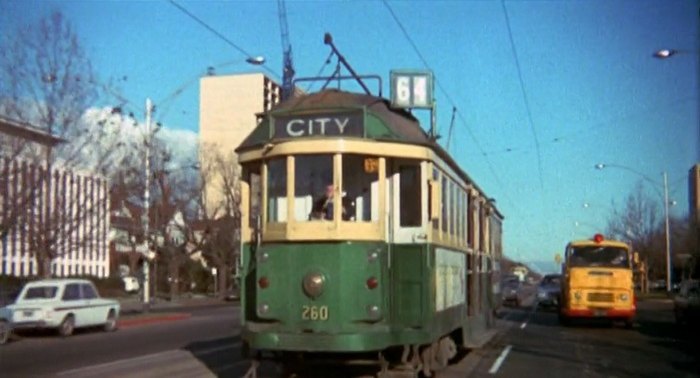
{"points": [[323, 207]]}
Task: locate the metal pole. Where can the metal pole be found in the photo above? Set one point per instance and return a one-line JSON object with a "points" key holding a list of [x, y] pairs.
{"points": [[146, 209], [668, 242]]}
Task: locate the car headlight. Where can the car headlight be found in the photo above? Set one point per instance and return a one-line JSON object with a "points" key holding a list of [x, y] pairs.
{"points": [[541, 294]]}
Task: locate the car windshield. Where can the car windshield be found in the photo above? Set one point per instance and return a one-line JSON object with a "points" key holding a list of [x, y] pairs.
{"points": [[40, 292], [551, 281], [599, 256]]}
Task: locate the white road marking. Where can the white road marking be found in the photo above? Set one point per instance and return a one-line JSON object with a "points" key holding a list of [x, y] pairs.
{"points": [[497, 364]]}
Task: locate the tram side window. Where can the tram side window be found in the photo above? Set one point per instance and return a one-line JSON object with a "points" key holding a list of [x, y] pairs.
{"points": [[470, 220], [277, 190], [435, 222], [452, 208], [443, 204], [313, 187], [410, 195], [360, 188], [255, 199]]}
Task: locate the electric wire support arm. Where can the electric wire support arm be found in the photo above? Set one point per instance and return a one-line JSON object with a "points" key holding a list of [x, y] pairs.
{"points": [[328, 40]]}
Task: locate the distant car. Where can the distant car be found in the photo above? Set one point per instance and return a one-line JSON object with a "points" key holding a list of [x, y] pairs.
{"points": [[549, 290], [131, 284], [61, 304], [686, 304], [511, 292]]}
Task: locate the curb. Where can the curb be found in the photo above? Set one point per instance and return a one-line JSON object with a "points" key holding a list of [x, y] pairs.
{"points": [[139, 321]]}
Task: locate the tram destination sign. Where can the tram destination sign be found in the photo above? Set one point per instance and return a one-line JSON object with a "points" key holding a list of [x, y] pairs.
{"points": [[315, 125]]}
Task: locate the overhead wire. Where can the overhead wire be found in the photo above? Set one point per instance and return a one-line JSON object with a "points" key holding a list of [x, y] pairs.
{"points": [[452, 102], [525, 98], [221, 36]]}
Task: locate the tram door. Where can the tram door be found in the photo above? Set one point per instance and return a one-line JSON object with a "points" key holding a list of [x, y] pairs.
{"points": [[408, 201]]}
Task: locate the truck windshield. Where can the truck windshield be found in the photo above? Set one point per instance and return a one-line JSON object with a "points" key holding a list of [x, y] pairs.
{"points": [[599, 256]]}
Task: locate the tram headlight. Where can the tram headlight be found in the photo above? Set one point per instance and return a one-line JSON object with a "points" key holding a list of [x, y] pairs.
{"points": [[372, 256], [624, 297], [373, 311], [578, 295], [313, 284], [263, 309]]}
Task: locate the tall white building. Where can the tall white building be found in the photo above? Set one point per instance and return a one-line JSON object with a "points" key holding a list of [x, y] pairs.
{"points": [[75, 232], [228, 108]]}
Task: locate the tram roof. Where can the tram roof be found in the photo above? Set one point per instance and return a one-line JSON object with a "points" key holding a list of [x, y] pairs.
{"points": [[381, 122]]}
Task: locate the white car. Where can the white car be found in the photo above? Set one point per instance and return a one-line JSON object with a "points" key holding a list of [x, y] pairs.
{"points": [[62, 304]]}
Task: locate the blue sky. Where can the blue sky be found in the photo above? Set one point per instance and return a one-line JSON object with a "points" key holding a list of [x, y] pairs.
{"points": [[594, 92]]}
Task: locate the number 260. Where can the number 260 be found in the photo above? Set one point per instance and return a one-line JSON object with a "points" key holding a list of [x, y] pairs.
{"points": [[314, 312]]}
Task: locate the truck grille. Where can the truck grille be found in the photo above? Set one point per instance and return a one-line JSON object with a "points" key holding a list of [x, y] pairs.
{"points": [[601, 297]]}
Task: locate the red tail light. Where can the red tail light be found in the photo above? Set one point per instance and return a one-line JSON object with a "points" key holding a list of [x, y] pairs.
{"points": [[263, 282], [372, 283]]}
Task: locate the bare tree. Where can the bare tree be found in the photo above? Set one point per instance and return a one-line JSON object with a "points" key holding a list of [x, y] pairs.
{"points": [[47, 81], [220, 216], [638, 223]]}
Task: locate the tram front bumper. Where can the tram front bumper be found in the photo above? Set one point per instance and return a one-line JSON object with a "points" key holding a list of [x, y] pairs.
{"points": [[377, 338]]}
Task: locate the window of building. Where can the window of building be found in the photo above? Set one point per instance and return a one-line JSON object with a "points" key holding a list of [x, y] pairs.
{"points": [[277, 190]]}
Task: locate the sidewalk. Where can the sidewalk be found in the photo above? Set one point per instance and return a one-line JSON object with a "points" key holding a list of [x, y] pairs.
{"points": [[132, 311]]}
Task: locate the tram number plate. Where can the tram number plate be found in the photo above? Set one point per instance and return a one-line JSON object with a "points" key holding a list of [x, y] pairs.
{"points": [[314, 312], [598, 312]]}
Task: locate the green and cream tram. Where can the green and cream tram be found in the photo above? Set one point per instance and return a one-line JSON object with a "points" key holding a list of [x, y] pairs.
{"points": [[361, 236]]}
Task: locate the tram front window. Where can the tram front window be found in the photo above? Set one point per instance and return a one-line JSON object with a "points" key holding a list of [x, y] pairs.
{"points": [[313, 187], [277, 190], [360, 188]]}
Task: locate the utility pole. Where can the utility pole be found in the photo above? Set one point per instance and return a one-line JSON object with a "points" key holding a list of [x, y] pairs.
{"points": [[146, 210], [668, 242]]}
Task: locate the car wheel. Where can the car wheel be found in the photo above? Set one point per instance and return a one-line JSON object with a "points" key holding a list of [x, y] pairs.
{"points": [[67, 326], [5, 332], [111, 322], [564, 320]]}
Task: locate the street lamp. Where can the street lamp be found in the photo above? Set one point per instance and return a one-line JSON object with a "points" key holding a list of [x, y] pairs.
{"points": [[667, 53], [600, 166]]}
